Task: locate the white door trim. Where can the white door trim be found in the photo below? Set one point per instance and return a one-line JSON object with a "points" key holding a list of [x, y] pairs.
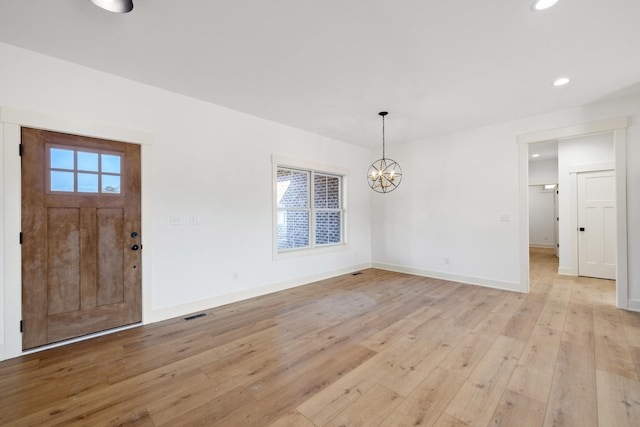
{"points": [[618, 126], [11, 120]]}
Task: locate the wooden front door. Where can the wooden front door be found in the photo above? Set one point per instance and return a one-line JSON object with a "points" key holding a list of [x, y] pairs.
{"points": [[81, 269]]}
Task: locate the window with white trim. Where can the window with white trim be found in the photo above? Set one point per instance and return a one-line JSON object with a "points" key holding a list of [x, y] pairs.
{"points": [[309, 209]]}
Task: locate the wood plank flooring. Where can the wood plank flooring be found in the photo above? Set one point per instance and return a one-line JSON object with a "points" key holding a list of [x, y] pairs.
{"points": [[375, 349]]}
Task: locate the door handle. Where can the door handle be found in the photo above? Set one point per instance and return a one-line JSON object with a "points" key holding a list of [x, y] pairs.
{"points": [[581, 229], [135, 247]]}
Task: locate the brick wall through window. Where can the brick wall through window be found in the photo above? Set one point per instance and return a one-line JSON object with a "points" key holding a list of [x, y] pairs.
{"points": [[301, 223]]}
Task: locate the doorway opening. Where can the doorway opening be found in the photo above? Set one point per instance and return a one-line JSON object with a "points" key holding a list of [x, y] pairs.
{"points": [[616, 128], [543, 192]]}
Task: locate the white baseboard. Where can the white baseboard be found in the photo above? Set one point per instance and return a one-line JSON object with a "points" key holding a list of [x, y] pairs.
{"points": [[479, 281], [542, 245], [217, 301], [634, 305], [566, 271]]}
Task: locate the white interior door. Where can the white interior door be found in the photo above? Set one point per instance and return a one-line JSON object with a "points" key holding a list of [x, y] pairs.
{"points": [[597, 224]]}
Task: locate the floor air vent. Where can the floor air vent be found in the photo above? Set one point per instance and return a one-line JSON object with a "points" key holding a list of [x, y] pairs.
{"points": [[195, 316], [356, 273]]}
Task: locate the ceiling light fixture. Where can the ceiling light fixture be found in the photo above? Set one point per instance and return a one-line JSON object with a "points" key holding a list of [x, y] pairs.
{"points": [[561, 81], [384, 174], [543, 4], [116, 6]]}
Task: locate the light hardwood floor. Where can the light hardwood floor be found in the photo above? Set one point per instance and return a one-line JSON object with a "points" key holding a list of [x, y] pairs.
{"points": [[378, 348]]}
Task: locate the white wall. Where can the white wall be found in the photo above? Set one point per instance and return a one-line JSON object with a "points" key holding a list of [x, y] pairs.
{"points": [[455, 214], [456, 189], [585, 151], [543, 172], [541, 202], [204, 161], [541, 217]]}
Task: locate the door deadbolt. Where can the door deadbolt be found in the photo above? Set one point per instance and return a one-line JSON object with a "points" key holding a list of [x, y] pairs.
{"points": [[134, 234]]}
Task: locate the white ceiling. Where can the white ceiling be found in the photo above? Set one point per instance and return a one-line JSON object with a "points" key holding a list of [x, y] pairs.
{"points": [[547, 150], [329, 66]]}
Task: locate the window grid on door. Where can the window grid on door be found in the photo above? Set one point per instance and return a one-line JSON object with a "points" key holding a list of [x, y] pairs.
{"points": [[79, 170]]}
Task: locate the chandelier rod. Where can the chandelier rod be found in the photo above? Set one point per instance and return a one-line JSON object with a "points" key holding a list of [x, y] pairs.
{"points": [[383, 137], [383, 113]]}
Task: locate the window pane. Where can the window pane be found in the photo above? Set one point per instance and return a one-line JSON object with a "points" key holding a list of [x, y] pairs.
{"points": [[110, 163], [326, 191], [111, 184], [328, 228], [61, 159], [320, 191], [87, 183], [62, 181], [293, 229], [87, 161], [333, 192], [292, 189]]}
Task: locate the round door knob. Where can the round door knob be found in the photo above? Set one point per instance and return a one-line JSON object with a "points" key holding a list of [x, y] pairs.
{"points": [[135, 247]]}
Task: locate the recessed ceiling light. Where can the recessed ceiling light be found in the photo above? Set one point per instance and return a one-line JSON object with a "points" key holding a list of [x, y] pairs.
{"points": [[543, 4], [561, 81], [116, 6], [535, 155]]}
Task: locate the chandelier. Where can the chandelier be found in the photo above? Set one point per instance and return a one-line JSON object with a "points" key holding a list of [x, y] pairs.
{"points": [[384, 174]]}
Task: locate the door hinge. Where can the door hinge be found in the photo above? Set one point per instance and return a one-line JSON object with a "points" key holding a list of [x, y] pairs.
{"points": [[21, 326], [558, 245], [20, 150], [21, 237]]}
